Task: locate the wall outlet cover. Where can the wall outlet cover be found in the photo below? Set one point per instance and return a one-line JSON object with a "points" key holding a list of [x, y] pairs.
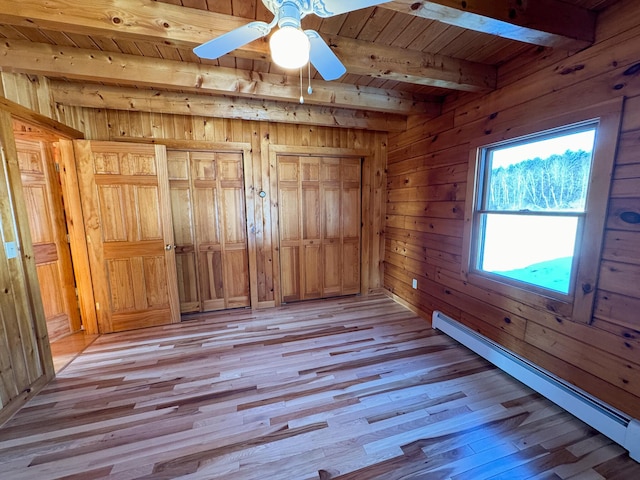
{"points": [[11, 249]]}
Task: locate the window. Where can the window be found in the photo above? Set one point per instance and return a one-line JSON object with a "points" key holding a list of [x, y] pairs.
{"points": [[530, 208], [537, 208]]}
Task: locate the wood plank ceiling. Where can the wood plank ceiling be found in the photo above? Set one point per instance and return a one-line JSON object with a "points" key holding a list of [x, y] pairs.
{"points": [[402, 57]]}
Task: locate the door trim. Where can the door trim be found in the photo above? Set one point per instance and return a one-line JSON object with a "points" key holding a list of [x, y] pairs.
{"points": [[77, 237]]}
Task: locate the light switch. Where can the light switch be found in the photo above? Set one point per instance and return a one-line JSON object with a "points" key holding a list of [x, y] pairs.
{"points": [[11, 249]]}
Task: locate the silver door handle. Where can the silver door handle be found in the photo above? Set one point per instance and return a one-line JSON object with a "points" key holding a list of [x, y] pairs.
{"points": [[168, 247]]}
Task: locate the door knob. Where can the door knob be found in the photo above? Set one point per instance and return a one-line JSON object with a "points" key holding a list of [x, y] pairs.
{"points": [[168, 247]]}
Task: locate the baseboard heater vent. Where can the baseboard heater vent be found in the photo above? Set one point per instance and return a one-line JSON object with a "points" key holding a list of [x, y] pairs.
{"points": [[609, 421]]}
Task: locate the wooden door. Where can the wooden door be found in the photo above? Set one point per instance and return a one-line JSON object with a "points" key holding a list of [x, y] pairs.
{"points": [[127, 211], [184, 230], [207, 200], [341, 227], [319, 224], [43, 197]]}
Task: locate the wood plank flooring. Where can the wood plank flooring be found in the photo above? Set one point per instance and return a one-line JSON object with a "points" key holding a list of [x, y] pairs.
{"points": [[352, 388], [69, 347]]}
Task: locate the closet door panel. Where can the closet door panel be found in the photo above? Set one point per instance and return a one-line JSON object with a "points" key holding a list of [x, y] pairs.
{"points": [[290, 273], [184, 230], [319, 224], [211, 236]]}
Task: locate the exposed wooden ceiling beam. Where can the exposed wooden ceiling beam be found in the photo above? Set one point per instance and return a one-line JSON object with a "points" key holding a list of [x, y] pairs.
{"points": [[155, 101], [411, 66], [550, 23], [186, 28], [96, 66]]}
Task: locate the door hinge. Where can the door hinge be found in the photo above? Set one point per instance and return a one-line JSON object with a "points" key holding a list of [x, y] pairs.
{"points": [[68, 238], [57, 167]]}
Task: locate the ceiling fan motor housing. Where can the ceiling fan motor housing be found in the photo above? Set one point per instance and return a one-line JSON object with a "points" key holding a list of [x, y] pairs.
{"points": [[304, 7], [289, 15]]}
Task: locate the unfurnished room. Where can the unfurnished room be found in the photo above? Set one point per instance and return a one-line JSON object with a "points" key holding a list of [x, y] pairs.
{"points": [[320, 239]]}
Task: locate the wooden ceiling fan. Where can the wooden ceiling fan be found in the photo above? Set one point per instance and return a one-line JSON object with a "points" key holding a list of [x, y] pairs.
{"points": [[291, 47]]}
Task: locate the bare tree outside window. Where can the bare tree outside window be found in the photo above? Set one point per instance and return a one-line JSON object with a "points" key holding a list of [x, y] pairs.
{"points": [[531, 205]]}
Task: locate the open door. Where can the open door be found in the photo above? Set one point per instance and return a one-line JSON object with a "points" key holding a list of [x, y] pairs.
{"points": [[41, 187], [127, 212]]}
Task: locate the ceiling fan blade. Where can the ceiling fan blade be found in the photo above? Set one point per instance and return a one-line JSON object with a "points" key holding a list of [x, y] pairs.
{"points": [[232, 40], [336, 7], [323, 58]]}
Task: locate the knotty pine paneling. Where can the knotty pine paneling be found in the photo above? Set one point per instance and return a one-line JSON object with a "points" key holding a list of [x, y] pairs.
{"points": [[426, 189], [193, 132], [25, 358], [196, 131], [30, 91]]}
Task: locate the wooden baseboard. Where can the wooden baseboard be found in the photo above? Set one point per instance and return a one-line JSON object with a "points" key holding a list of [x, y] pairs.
{"points": [[404, 303], [10, 409]]}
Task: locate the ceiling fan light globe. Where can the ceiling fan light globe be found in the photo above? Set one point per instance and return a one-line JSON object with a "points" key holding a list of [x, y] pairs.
{"points": [[289, 47]]}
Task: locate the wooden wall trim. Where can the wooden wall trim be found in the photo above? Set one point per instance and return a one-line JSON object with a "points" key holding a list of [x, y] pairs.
{"points": [[176, 144], [315, 151], [271, 190], [604, 155], [22, 113], [77, 237]]}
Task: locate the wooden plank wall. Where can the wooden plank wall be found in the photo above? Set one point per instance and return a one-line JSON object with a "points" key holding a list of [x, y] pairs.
{"points": [[427, 175], [110, 125], [30, 91], [25, 358], [192, 131]]}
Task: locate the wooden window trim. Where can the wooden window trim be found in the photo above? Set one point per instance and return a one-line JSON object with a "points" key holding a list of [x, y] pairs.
{"points": [[578, 305]]}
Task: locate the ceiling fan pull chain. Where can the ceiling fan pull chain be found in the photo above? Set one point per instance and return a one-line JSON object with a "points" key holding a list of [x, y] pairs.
{"points": [[309, 89], [301, 97]]}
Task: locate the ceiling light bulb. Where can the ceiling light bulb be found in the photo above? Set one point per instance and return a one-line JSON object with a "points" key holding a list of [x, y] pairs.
{"points": [[289, 47]]}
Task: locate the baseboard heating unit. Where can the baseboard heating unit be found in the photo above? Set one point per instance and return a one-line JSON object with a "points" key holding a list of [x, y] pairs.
{"points": [[609, 421]]}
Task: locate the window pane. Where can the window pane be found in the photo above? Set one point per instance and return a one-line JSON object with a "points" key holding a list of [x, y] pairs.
{"points": [[544, 175], [532, 249]]}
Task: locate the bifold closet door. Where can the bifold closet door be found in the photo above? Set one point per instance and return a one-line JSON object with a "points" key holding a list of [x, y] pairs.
{"points": [[209, 216], [319, 222]]}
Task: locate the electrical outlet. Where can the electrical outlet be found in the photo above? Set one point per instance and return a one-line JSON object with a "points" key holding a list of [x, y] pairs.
{"points": [[414, 283]]}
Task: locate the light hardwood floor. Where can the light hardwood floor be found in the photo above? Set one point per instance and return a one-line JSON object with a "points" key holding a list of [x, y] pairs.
{"points": [[67, 348], [352, 388]]}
